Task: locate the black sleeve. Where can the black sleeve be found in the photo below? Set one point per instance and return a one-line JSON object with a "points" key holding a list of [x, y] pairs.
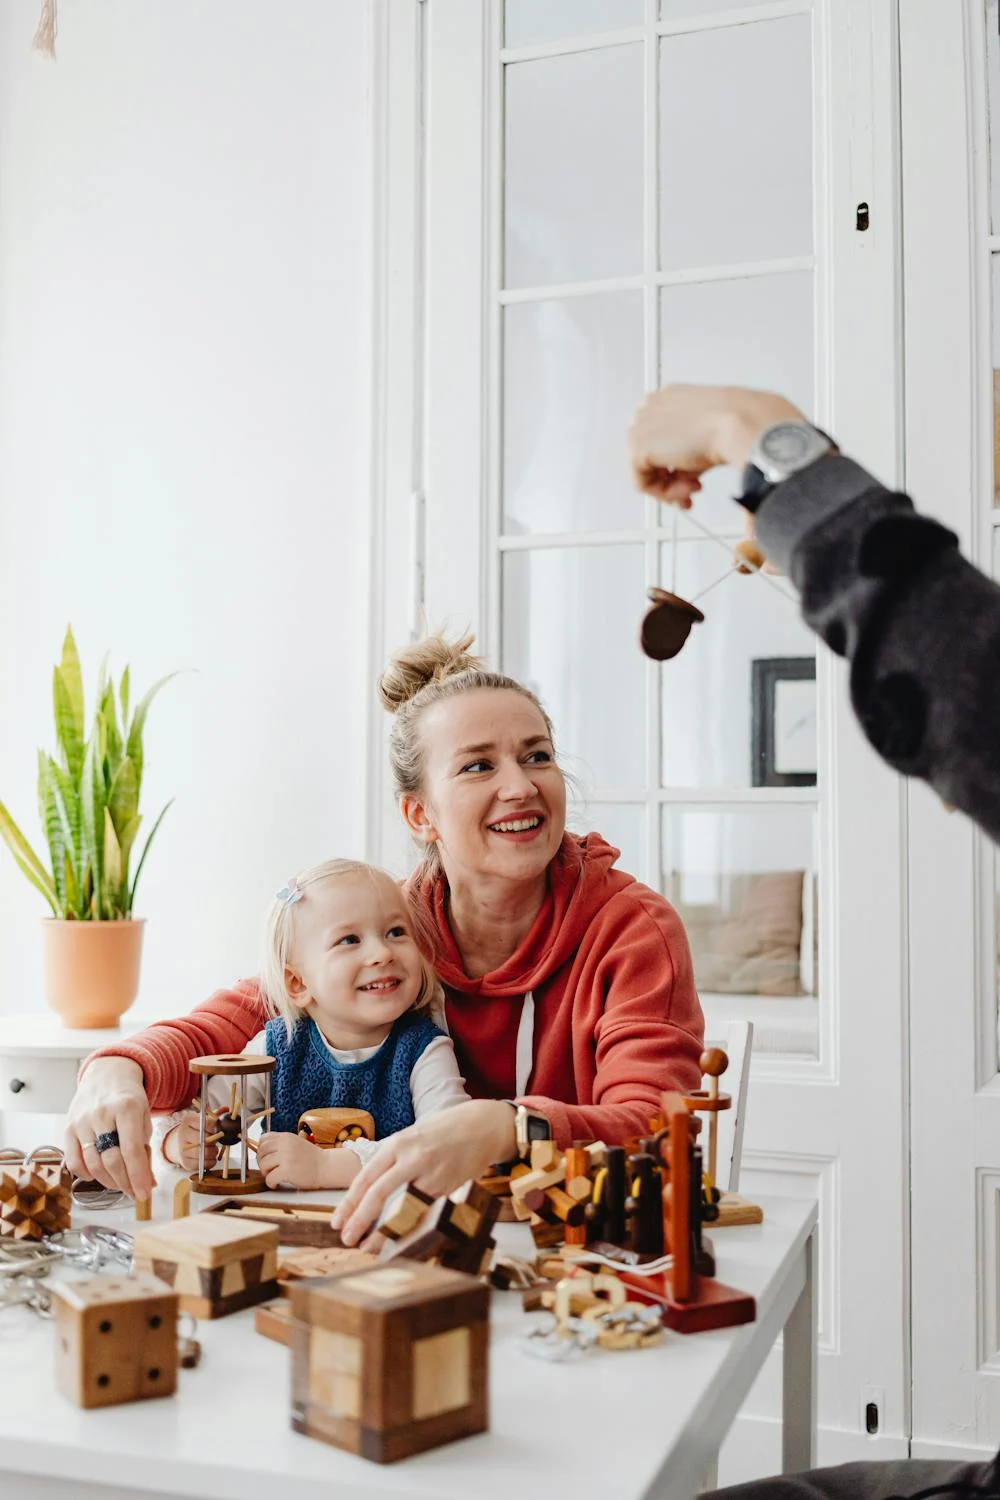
{"points": [[920, 626]]}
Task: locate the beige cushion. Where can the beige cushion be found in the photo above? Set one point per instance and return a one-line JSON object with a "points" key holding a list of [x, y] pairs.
{"points": [[752, 946]]}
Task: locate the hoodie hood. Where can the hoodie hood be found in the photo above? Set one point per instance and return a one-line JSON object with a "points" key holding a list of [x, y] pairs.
{"points": [[581, 882]]}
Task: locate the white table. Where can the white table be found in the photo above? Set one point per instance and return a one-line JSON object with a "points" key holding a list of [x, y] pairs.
{"points": [[637, 1424]]}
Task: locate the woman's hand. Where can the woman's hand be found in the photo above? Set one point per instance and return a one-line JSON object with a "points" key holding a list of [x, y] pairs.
{"points": [[437, 1154], [679, 432], [110, 1096], [289, 1159]]}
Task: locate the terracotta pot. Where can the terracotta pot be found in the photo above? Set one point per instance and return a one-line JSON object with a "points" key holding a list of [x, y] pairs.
{"points": [[91, 969]]}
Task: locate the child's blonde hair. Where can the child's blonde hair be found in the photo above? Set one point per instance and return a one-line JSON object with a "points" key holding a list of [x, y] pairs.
{"points": [[278, 933]]}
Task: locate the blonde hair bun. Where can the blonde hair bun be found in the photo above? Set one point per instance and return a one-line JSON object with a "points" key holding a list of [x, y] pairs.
{"points": [[433, 659]]}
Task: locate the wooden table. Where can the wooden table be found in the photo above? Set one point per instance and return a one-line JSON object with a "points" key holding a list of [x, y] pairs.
{"points": [[638, 1424]]}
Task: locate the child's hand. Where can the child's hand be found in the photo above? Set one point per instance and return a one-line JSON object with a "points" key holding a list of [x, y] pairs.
{"points": [[287, 1158], [180, 1145]]}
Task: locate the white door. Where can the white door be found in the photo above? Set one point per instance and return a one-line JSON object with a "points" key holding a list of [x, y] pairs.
{"points": [[950, 90], [612, 194]]}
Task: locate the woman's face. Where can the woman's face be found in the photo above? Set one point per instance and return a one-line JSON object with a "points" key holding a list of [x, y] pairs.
{"points": [[494, 800]]}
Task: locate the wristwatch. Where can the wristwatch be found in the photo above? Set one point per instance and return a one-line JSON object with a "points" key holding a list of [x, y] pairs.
{"points": [[780, 451], [528, 1126]]}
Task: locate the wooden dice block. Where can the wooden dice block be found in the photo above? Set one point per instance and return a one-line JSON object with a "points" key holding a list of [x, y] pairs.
{"points": [[216, 1264], [116, 1339], [392, 1361]]}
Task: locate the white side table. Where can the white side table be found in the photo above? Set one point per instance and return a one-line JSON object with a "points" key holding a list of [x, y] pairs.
{"points": [[39, 1060]]}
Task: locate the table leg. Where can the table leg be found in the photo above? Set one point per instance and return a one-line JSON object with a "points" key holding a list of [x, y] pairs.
{"points": [[798, 1435]]}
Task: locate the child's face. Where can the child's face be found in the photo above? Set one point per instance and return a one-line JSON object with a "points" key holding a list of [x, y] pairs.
{"points": [[353, 958]]}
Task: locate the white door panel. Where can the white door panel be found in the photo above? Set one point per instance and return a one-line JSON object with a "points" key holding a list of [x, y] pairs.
{"points": [[568, 262]]}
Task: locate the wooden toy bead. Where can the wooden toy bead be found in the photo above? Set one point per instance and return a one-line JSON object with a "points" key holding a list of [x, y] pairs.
{"points": [[713, 1061]]}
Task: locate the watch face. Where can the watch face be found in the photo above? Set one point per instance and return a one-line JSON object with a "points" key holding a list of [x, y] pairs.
{"points": [[789, 446]]}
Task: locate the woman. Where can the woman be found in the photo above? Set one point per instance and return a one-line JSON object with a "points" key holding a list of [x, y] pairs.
{"points": [[568, 984]]}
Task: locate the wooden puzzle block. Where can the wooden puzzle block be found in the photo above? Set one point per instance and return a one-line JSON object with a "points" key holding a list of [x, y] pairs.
{"points": [[403, 1211], [335, 1127], [296, 1265], [217, 1265], [453, 1232], [391, 1361], [34, 1199], [296, 1223], [116, 1339], [273, 1320]]}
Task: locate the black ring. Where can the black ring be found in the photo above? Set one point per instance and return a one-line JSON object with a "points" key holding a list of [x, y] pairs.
{"points": [[106, 1140]]}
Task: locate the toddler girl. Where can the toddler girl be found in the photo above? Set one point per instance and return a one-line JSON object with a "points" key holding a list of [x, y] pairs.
{"points": [[351, 997]]}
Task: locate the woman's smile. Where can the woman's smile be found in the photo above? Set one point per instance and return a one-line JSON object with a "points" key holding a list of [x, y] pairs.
{"points": [[520, 830]]}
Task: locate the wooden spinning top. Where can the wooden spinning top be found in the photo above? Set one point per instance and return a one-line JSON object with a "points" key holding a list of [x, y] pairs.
{"points": [[667, 625], [747, 556]]}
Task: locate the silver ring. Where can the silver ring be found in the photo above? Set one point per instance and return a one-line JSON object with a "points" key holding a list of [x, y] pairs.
{"points": [[86, 1145]]}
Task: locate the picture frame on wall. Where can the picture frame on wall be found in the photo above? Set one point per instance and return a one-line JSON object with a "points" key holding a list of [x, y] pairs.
{"points": [[783, 721]]}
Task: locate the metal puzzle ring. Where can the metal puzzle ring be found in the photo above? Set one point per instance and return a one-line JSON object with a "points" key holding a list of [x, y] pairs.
{"points": [[557, 1342]]}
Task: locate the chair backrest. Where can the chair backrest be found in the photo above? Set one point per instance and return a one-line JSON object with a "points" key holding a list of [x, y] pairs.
{"points": [[736, 1037]]}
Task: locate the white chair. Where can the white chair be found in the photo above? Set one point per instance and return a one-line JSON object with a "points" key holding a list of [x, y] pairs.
{"points": [[736, 1039]]}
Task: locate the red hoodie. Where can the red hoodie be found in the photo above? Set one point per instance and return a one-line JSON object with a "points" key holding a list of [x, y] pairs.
{"points": [[617, 1018]]}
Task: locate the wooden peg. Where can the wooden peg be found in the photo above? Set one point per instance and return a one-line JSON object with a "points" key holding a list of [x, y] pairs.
{"points": [[182, 1198]]}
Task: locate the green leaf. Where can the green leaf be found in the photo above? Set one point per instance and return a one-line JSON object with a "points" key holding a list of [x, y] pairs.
{"points": [[133, 747], [92, 806], [68, 734], [26, 858], [56, 836], [108, 711], [123, 694], [123, 798], [126, 838], [69, 791], [69, 669], [113, 903], [63, 803], [142, 861], [72, 889]]}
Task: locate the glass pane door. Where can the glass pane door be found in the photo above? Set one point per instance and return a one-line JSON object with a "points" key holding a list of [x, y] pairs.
{"points": [[617, 271]]}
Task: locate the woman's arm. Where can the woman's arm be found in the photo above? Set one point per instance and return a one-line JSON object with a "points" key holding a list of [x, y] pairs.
{"points": [[223, 1023], [647, 1036], [119, 1085]]}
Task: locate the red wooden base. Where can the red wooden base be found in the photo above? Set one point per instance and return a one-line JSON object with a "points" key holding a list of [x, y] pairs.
{"points": [[712, 1304]]}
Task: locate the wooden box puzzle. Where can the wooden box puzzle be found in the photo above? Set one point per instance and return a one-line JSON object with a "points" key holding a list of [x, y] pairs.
{"points": [[217, 1265], [116, 1339], [391, 1361]]}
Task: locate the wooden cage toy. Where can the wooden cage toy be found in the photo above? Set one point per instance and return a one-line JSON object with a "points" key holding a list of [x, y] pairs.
{"points": [[391, 1361], [228, 1127]]}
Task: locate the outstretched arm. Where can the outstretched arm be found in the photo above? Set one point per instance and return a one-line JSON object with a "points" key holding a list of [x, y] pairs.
{"points": [[883, 586], [119, 1086]]}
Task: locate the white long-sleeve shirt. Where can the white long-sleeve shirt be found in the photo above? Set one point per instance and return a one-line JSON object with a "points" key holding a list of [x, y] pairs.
{"points": [[435, 1082]]}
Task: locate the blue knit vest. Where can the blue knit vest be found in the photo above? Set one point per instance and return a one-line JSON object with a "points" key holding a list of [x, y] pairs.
{"points": [[308, 1076]]}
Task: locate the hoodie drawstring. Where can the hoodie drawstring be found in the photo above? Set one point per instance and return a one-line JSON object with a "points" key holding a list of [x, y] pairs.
{"points": [[524, 1050]]}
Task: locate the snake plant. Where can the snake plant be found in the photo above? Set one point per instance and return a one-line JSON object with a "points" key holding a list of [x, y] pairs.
{"points": [[88, 798]]}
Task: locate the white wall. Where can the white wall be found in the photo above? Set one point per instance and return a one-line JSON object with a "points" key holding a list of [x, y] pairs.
{"points": [[183, 399]]}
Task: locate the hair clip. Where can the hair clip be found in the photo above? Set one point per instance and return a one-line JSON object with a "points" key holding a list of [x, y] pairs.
{"points": [[289, 893]]}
